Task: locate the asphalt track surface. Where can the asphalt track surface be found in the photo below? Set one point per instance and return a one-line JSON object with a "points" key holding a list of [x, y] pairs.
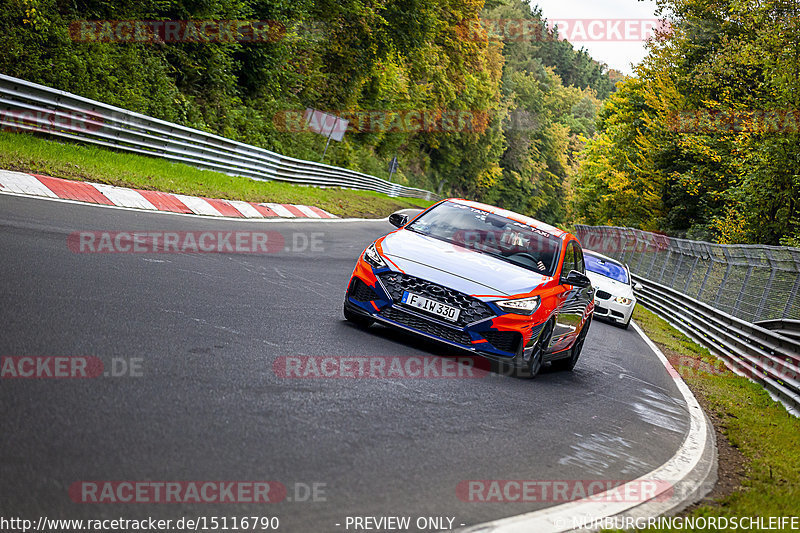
{"points": [[205, 331]]}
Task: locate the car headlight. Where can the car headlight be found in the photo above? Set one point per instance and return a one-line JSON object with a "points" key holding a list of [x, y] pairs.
{"points": [[522, 306], [372, 257], [622, 300]]}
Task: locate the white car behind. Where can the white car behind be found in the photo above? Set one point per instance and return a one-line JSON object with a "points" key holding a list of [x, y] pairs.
{"points": [[613, 290]]}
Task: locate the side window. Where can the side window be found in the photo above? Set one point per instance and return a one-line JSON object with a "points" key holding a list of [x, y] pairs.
{"points": [[569, 259], [579, 265]]}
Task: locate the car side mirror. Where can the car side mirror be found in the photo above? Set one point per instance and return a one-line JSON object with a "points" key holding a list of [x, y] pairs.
{"points": [[576, 279], [398, 220], [638, 286]]}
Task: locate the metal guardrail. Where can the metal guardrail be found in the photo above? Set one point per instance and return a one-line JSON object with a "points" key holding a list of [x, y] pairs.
{"points": [[752, 282], [26, 106], [677, 273], [786, 327], [765, 356]]}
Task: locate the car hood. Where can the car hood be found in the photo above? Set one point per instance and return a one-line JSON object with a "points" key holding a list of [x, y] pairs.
{"points": [[616, 288], [456, 267]]}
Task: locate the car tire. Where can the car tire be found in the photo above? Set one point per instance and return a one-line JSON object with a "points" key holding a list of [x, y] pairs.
{"points": [[569, 363], [358, 320], [532, 367]]}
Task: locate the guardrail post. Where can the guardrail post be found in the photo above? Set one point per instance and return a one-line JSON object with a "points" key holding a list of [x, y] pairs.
{"points": [[728, 266], [664, 266], [646, 241], [655, 257], [768, 288], [691, 274], [624, 245], [677, 268], [711, 262], [787, 310], [631, 233], [741, 292]]}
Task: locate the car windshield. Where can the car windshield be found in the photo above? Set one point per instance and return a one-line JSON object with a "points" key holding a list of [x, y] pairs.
{"points": [[606, 267], [495, 235]]}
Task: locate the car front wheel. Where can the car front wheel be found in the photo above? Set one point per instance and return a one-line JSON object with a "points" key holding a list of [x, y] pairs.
{"points": [[534, 364], [569, 363]]}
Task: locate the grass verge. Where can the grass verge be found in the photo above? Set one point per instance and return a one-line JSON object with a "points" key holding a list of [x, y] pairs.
{"points": [[28, 153], [758, 440]]}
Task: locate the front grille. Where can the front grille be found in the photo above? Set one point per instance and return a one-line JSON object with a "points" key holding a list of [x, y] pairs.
{"points": [[361, 292], [472, 309], [431, 328], [617, 314], [600, 310], [507, 341], [603, 295]]}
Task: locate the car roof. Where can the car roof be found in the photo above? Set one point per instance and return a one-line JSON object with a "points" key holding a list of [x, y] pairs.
{"points": [[603, 257], [538, 224]]}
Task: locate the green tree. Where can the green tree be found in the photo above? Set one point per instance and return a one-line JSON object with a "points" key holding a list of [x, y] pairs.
{"points": [[701, 137]]}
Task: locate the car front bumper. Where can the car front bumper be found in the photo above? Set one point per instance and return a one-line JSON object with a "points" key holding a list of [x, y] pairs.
{"points": [[497, 337], [612, 310]]}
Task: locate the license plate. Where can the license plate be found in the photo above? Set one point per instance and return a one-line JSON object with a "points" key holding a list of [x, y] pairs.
{"points": [[431, 306]]}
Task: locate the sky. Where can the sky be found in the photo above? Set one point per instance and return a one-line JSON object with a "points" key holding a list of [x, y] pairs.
{"points": [[601, 19]]}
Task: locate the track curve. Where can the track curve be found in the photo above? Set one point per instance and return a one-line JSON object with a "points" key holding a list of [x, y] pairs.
{"points": [[207, 329]]}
